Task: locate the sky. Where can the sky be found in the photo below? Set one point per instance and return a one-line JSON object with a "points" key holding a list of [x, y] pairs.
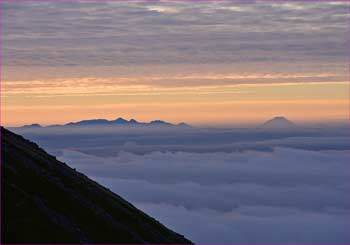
{"points": [[205, 63]]}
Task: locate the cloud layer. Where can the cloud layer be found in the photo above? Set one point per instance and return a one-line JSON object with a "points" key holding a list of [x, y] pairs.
{"points": [[119, 33], [284, 196]]}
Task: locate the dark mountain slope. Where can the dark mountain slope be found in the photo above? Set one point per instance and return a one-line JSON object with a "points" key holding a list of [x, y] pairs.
{"points": [[45, 201]]}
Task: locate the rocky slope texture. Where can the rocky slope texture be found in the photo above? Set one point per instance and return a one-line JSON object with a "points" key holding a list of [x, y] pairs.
{"points": [[45, 201]]}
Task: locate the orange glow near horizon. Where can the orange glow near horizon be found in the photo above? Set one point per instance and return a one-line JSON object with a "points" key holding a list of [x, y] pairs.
{"points": [[214, 64], [195, 101], [196, 114]]}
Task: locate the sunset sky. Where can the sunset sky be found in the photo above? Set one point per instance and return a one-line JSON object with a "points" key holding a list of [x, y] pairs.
{"points": [[205, 63]]}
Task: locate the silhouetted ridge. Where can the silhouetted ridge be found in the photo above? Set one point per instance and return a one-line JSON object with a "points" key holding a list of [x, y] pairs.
{"points": [[34, 125], [88, 122], [277, 123], [104, 122], [160, 122], [120, 121], [45, 201]]}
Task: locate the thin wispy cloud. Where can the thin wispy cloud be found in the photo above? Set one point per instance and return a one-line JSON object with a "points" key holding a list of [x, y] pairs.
{"points": [[140, 52], [113, 33], [161, 83]]}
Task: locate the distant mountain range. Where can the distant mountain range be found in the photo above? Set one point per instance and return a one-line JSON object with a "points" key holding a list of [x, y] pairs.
{"points": [[274, 123], [104, 122], [278, 123]]}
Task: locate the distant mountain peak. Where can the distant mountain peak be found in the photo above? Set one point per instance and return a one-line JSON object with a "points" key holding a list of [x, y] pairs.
{"points": [[120, 120], [279, 118], [88, 122], [278, 122], [182, 124], [133, 121], [160, 122], [30, 126]]}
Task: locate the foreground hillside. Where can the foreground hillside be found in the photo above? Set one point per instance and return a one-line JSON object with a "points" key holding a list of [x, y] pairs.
{"points": [[45, 201]]}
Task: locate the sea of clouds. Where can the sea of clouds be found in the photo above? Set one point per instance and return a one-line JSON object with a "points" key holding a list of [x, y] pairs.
{"points": [[281, 196], [237, 186]]}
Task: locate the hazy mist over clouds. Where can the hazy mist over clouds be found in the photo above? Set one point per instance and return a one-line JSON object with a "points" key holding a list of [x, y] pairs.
{"points": [[222, 185], [109, 141], [284, 196]]}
